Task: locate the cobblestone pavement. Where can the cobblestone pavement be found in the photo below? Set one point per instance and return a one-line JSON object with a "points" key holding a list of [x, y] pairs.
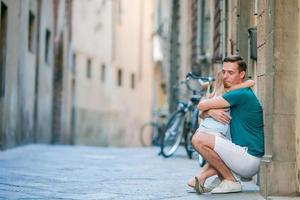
{"points": [[78, 172]]}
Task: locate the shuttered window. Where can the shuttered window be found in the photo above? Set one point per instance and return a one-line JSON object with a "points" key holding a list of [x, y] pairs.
{"points": [[195, 36], [217, 54]]}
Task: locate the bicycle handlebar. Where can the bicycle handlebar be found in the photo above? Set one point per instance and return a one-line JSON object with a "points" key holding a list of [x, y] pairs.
{"points": [[193, 76], [202, 81]]}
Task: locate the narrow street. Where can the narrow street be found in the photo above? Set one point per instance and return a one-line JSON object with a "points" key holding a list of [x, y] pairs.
{"points": [[78, 172], [99, 74]]}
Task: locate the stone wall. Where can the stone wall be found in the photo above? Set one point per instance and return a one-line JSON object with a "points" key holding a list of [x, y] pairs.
{"points": [[26, 108], [277, 79]]}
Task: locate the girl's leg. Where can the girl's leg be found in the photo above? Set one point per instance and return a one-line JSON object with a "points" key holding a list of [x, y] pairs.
{"points": [[206, 172], [210, 171], [191, 181]]}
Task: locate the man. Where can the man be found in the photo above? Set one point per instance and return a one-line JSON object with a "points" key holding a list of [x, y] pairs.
{"points": [[241, 155]]}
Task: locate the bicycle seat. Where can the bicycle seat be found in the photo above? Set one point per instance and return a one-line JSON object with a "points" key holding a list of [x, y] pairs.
{"points": [[195, 99]]}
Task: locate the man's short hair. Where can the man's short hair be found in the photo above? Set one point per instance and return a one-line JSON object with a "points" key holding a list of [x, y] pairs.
{"points": [[242, 66]]}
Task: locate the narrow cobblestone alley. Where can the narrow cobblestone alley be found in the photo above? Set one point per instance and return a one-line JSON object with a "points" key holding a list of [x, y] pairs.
{"points": [[68, 172]]}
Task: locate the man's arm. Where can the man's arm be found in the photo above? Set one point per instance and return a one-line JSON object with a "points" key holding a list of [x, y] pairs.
{"points": [[220, 115], [213, 103]]}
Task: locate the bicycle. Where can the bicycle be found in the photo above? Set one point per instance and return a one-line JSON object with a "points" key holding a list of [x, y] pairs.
{"points": [[151, 132], [184, 121]]}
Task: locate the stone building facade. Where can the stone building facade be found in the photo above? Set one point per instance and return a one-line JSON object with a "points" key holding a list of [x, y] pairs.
{"points": [[114, 70], [29, 31], [278, 87], [78, 72], [92, 55]]}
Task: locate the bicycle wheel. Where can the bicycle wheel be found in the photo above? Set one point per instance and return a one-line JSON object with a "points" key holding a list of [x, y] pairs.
{"points": [[189, 131], [188, 142], [147, 133], [201, 160], [191, 152], [172, 134], [157, 135]]}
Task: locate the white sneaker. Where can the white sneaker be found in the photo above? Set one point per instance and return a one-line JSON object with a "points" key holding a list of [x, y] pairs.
{"points": [[214, 184], [227, 186]]}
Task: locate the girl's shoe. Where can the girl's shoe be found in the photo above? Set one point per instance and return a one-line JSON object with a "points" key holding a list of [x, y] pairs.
{"points": [[199, 187], [190, 189]]}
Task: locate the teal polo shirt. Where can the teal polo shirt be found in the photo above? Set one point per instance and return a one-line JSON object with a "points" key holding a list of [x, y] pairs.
{"points": [[246, 126]]}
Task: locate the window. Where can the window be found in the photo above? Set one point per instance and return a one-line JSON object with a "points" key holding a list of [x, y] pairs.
{"points": [[132, 81], [3, 43], [74, 63], [119, 11], [47, 45], [103, 71], [119, 77], [31, 35], [217, 46], [203, 29], [89, 69]]}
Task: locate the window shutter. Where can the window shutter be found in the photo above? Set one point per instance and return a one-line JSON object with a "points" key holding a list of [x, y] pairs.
{"points": [[217, 55]]}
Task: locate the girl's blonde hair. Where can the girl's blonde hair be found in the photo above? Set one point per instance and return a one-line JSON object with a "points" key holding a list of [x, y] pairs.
{"points": [[218, 86]]}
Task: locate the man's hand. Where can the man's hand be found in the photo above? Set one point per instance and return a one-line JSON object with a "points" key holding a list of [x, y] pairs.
{"points": [[220, 115]]}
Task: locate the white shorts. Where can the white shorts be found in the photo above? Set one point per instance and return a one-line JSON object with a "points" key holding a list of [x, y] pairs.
{"points": [[236, 157]]}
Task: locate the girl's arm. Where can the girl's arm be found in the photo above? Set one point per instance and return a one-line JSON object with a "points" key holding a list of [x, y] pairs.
{"points": [[204, 85], [246, 84]]}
